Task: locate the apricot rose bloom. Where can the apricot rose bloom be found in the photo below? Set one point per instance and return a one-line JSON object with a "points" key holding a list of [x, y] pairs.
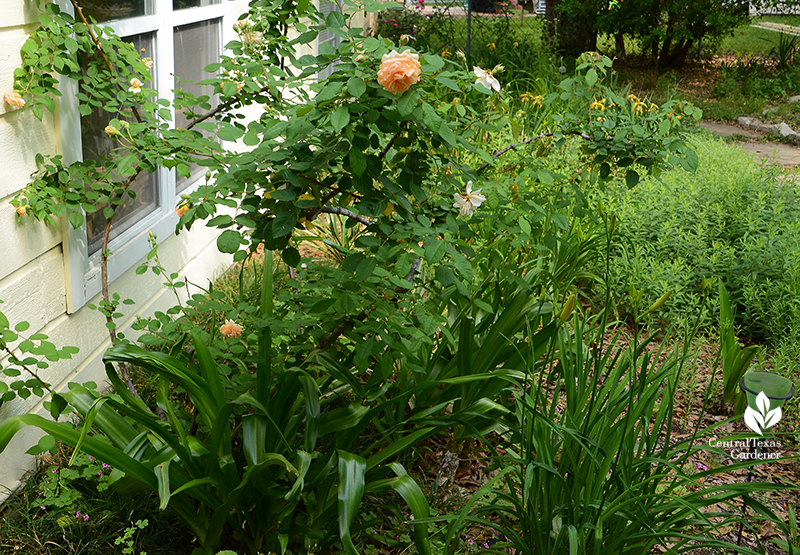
{"points": [[14, 99], [231, 329], [399, 71]]}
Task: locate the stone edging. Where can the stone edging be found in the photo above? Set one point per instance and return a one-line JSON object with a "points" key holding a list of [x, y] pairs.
{"points": [[781, 130]]}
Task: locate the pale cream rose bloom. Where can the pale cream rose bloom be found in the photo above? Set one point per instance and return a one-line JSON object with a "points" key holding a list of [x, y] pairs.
{"points": [[469, 201], [13, 98], [485, 78], [399, 71], [136, 86], [231, 329]]}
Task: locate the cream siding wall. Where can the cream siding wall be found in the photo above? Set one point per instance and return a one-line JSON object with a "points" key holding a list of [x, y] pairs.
{"points": [[32, 264]]}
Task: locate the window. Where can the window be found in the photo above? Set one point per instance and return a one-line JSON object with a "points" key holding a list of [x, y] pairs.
{"points": [[182, 37], [327, 42], [196, 46]]}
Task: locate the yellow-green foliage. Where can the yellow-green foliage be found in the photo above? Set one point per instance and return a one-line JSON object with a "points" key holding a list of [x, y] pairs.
{"points": [[732, 220]]}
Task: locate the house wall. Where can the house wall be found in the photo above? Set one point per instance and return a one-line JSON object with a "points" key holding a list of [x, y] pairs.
{"points": [[33, 276], [33, 267]]}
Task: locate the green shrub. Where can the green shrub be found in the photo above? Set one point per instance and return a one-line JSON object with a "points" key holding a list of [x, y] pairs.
{"points": [[733, 220]]}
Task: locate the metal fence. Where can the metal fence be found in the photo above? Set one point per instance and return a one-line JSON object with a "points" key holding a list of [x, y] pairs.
{"points": [[480, 28]]}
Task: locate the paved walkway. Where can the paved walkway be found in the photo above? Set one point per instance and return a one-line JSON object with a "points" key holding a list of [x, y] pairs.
{"points": [[779, 27], [783, 154]]}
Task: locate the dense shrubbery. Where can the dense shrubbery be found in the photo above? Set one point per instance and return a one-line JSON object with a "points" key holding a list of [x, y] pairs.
{"points": [[733, 220]]}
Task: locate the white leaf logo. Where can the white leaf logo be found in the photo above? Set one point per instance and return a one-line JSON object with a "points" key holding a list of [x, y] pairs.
{"points": [[763, 418]]}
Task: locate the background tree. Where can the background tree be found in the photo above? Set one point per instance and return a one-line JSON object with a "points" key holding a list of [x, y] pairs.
{"points": [[667, 29]]}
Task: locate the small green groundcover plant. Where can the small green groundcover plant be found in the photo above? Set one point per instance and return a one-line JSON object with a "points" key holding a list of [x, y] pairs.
{"points": [[273, 418]]}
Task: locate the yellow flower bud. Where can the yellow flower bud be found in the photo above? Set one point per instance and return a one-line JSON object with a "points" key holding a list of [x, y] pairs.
{"points": [[569, 306], [659, 303]]}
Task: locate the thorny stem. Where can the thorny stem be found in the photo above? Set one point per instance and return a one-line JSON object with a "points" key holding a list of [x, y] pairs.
{"points": [[391, 141], [79, 11], [13, 357], [333, 190], [499, 153], [345, 212]]}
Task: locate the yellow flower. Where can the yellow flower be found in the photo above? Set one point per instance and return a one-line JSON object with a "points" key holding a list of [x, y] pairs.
{"points": [[534, 100], [231, 329], [182, 209], [598, 104], [638, 107], [13, 98], [111, 131], [653, 107], [491, 46], [446, 53]]}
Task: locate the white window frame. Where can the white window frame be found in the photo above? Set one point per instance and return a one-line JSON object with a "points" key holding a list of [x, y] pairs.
{"points": [[81, 268]]}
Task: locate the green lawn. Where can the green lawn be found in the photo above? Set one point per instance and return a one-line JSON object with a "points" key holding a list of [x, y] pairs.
{"points": [[753, 41]]}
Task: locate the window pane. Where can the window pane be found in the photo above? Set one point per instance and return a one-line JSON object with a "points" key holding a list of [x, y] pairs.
{"points": [[181, 4], [326, 37], [104, 10], [96, 144], [196, 46]]}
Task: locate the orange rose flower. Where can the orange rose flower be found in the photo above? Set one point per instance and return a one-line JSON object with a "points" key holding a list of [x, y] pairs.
{"points": [[181, 210], [231, 329], [399, 71], [21, 210]]}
